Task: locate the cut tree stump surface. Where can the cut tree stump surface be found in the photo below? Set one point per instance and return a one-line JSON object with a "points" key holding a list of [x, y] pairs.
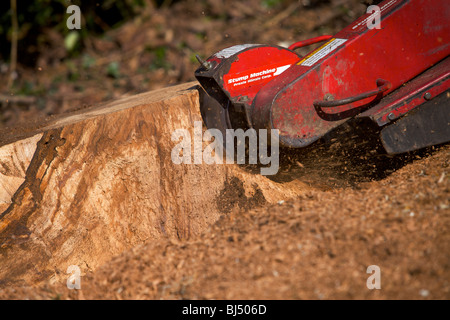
{"points": [[86, 186]]}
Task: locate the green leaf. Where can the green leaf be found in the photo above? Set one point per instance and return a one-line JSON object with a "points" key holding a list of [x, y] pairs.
{"points": [[87, 61], [71, 40], [113, 70]]}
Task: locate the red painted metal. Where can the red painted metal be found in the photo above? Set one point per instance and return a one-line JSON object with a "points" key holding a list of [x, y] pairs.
{"points": [[416, 92], [255, 68], [382, 86], [309, 42], [414, 36], [409, 52], [237, 73]]}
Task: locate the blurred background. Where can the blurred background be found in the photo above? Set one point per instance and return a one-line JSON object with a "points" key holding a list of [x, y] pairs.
{"points": [[126, 47]]}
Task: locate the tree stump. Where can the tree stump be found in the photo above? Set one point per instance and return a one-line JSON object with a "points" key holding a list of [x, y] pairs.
{"points": [[88, 185]]}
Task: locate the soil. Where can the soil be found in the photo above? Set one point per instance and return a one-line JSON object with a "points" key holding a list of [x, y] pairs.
{"points": [[316, 246], [360, 209]]}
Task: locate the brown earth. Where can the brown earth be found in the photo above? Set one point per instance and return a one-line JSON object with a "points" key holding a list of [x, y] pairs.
{"points": [[316, 242], [317, 246], [308, 233]]}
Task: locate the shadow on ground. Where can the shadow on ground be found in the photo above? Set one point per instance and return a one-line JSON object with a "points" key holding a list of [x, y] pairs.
{"points": [[345, 157]]}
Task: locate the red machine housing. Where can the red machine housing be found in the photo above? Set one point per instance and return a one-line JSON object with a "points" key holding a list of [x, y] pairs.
{"points": [[381, 73]]}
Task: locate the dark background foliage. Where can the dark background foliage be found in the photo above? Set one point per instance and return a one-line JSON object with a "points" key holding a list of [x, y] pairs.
{"points": [[130, 46]]}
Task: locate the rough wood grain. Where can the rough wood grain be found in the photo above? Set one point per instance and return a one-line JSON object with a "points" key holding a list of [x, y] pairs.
{"points": [[92, 184], [14, 161]]}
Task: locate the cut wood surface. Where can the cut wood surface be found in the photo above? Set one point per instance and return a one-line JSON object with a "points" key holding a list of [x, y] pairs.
{"points": [[14, 160], [88, 185]]}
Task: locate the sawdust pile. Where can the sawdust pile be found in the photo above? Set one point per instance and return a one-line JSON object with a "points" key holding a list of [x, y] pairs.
{"points": [[317, 246]]}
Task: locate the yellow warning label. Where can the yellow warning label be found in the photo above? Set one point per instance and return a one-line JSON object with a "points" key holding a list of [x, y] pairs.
{"points": [[321, 52]]}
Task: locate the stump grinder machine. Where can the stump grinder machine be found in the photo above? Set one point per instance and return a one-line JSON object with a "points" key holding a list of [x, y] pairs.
{"points": [[395, 72]]}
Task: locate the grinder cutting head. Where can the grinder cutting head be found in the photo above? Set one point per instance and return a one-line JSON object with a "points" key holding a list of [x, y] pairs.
{"points": [[233, 77]]}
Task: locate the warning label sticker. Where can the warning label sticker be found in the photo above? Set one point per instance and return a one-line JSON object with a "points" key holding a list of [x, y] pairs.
{"points": [[228, 52], [322, 52]]}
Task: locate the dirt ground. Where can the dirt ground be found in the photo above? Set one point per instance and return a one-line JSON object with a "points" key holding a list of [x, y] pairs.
{"points": [[361, 208], [316, 246]]}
